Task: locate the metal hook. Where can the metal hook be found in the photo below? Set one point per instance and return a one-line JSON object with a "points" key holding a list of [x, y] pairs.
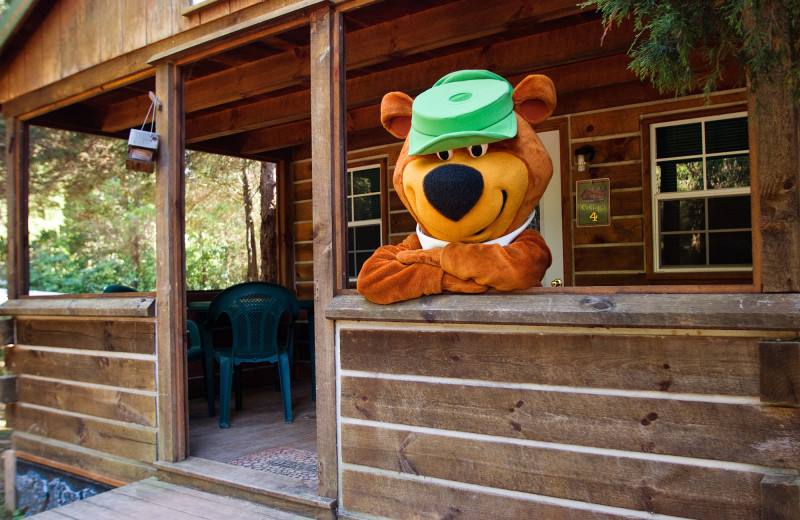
{"points": [[154, 99]]}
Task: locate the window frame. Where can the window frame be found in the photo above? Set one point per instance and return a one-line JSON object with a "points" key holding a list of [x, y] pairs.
{"points": [[383, 221], [650, 203]]}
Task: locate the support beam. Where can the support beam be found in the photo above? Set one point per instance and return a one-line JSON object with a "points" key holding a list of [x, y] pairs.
{"points": [[171, 269], [775, 170], [17, 136], [328, 170], [533, 53], [389, 41]]}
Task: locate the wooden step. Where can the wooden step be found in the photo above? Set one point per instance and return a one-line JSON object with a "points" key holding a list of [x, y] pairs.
{"points": [[260, 487], [151, 498]]}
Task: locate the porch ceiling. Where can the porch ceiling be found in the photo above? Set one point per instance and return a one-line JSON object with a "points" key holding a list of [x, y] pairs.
{"points": [[254, 100]]}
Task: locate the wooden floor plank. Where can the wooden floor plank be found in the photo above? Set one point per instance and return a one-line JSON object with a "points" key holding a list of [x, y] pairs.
{"points": [[156, 500], [194, 496], [257, 427], [89, 509]]}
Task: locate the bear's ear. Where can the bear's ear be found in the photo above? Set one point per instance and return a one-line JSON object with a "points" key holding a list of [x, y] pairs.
{"points": [[535, 98], [396, 114]]}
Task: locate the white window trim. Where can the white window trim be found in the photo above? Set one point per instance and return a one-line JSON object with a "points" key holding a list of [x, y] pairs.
{"points": [[360, 223], [655, 197]]}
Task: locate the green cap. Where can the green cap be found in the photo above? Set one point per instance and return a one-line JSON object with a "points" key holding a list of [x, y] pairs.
{"points": [[464, 108]]}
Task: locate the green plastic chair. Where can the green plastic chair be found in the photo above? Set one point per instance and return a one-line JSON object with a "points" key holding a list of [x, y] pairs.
{"points": [[255, 310], [117, 288]]}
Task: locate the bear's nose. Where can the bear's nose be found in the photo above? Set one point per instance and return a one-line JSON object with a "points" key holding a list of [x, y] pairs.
{"points": [[453, 189]]}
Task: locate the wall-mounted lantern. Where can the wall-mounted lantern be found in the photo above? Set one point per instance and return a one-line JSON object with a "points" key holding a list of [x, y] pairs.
{"points": [[143, 144], [583, 156]]}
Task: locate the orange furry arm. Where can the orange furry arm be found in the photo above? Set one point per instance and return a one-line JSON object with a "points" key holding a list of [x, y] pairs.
{"points": [[519, 265], [384, 279]]}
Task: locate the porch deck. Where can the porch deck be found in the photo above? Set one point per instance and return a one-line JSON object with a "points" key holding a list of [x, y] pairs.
{"points": [[257, 427], [152, 498]]}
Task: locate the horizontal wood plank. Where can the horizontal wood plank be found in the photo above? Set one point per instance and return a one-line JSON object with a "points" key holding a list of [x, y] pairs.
{"points": [[548, 307], [626, 119], [626, 175], [129, 306], [621, 230], [658, 487], [391, 497], [102, 402], [84, 460], [122, 335], [127, 441], [98, 369], [747, 433], [610, 258], [682, 364]]}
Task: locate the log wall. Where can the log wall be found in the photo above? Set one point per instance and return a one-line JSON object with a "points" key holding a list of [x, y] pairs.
{"points": [[445, 415], [617, 254], [87, 397]]}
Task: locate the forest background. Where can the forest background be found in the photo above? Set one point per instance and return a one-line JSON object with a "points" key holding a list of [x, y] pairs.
{"points": [[92, 221]]}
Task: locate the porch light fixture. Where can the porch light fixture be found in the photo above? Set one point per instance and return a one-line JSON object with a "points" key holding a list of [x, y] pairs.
{"points": [[143, 145], [583, 156]]}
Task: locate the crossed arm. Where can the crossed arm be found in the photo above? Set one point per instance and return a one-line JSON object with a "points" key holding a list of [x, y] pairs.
{"points": [[405, 271]]}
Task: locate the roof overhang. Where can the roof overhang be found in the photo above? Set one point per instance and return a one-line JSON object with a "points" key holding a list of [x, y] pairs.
{"points": [[13, 22]]}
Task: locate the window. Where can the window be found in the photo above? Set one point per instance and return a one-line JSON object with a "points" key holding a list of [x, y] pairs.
{"points": [[364, 224], [701, 194]]}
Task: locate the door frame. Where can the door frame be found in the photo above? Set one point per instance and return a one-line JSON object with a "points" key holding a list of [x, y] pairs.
{"points": [[562, 179]]}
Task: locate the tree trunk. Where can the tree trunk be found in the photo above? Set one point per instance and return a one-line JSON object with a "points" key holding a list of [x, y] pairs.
{"points": [[252, 265], [775, 174], [269, 256]]}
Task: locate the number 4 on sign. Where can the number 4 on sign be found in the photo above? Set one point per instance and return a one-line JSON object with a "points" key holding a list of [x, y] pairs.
{"points": [[593, 216]]}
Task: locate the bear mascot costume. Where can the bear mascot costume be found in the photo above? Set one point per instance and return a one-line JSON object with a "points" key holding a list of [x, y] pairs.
{"points": [[471, 172]]}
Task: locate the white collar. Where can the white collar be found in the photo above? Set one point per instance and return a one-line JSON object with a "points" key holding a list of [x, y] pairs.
{"points": [[428, 242]]}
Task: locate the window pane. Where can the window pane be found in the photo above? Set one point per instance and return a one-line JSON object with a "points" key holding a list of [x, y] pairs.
{"points": [[683, 249], [360, 259], [351, 266], [351, 238], [367, 207], [367, 238], [727, 135], [679, 140], [672, 176], [367, 181], [728, 172], [682, 215], [731, 248], [729, 213]]}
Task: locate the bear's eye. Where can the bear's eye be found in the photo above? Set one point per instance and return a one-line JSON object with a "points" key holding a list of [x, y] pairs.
{"points": [[445, 155], [478, 150]]}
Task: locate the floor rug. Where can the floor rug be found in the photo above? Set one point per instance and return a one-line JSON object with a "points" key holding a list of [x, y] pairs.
{"points": [[300, 464]]}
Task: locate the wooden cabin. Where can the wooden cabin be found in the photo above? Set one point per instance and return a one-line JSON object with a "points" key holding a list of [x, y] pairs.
{"points": [[644, 385]]}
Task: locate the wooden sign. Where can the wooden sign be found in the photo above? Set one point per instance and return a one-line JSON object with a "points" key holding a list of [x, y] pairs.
{"points": [[593, 204]]}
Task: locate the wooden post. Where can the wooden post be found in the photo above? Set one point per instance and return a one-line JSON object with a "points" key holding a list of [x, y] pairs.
{"points": [[9, 478], [328, 163], [171, 268], [779, 368], [774, 144], [780, 497], [17, 136]]}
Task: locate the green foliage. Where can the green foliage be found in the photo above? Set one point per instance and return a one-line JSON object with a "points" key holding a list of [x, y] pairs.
{"points": [[216, 249], [92, 221], [683, 46]]}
